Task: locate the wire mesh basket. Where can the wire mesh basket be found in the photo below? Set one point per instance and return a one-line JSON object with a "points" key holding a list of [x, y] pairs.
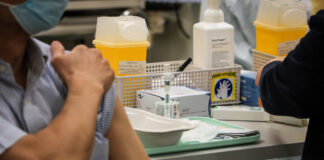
{"points": [[126, 86], [260, 59]]}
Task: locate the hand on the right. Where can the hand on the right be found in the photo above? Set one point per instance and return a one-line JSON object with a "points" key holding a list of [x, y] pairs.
{"points": [[258, 76], [82, 67]]}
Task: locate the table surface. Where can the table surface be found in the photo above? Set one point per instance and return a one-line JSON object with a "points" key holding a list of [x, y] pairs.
{"points": [[277, 140]]}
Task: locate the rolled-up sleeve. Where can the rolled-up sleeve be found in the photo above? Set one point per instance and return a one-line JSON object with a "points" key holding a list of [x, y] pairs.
{"points": [[105, 115], [106, 111], [9, 135]]}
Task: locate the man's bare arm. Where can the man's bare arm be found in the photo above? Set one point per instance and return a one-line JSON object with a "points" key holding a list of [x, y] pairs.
{"points": [[124, 143], [69, 136]]}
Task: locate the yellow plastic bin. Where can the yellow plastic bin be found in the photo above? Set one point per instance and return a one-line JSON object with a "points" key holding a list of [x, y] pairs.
{"points": [[124, 59], [123, 42], [278, 41], [280, 25]]}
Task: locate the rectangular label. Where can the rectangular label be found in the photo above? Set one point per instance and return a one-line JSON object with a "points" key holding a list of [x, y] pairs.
{"points": [[220, 49], [220, 44], [131, 67]]}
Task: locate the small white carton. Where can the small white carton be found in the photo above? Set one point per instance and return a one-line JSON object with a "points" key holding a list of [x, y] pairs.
{"points": [[240, 113], [193, 102]]}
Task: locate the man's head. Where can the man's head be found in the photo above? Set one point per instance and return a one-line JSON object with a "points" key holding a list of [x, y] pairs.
{"points": [[33, 16]]}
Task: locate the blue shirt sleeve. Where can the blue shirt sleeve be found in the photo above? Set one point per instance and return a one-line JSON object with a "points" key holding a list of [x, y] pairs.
{"points": [[104, 118], [106, 111], [9, 135]]}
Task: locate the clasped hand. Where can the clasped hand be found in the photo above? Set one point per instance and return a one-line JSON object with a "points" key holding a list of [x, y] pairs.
{"points": [[82, 67]]}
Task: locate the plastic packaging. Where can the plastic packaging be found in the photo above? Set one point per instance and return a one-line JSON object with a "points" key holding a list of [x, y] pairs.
{"points": [[202, 133], [280, 25], [123, 41], [213, 39]]}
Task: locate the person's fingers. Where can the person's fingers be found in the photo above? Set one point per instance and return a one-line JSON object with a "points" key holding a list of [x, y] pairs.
{"points": [[80, 49], [278, 59], [257, 78], [95, 51], [57, 49]]}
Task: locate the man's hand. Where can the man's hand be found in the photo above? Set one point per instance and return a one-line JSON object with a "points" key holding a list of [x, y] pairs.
{"points": [[82, 67], [257, 78]]}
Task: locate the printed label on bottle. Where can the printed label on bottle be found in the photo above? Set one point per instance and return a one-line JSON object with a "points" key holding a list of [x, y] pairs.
{"points": [[170, 110], [220, 48], [175, 111], [286, 47], [131, 67]]}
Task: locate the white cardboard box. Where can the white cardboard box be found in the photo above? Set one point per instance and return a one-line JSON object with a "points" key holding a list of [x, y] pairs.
{"points": [[289, 120], [240, 113], [247, 113], [193, 102]]}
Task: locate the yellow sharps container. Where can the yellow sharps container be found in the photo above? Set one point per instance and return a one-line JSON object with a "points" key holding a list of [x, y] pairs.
{"points": [[280, 25], [123, 42]]}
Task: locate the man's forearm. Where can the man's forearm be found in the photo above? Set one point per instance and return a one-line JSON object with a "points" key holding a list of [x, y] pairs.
{"points": [[75, 125], [69, 136]]}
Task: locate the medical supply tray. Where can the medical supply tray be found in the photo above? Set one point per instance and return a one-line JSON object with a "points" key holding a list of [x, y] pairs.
{"points": [[214, 143], [126, 86]]}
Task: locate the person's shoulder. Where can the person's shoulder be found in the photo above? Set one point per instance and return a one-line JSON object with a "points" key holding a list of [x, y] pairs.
{"points": [[49, 72], [44, 48]]}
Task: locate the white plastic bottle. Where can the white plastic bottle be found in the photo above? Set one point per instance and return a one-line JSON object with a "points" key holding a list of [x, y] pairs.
{"points": [[213, 39]]}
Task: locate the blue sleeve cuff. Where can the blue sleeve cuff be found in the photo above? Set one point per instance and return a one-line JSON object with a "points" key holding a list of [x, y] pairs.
{"points": [[9, 135], [100, 148], [106, 111]]}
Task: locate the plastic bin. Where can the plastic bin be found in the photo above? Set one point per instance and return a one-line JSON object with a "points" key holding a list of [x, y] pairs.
{"points": [[280, 25], [123, 42], [125, 59], [278, 41]]}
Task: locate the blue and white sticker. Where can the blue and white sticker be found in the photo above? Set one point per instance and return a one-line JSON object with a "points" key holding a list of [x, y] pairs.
{"points": [[223, 86]]}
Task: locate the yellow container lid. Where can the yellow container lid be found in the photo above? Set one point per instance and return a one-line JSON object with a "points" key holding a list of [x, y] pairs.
{"points": [[121, 45], [276, 28]]}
